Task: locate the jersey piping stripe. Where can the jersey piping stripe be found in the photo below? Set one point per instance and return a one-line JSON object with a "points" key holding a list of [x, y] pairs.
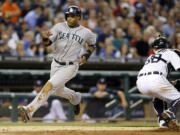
{"points": [[67, 41], [163, 60], [70, 44]]}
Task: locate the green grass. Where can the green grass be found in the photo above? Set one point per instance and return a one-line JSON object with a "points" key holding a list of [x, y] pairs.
{"points": [[84, 124]]}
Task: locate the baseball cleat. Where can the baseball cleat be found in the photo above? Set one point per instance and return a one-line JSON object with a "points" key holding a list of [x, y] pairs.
{"points": [[163, 124], [23, 113], [76, 109], [171, 121]]}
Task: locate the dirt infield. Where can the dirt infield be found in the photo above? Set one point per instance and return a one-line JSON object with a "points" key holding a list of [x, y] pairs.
{"points": [[78, 130]]}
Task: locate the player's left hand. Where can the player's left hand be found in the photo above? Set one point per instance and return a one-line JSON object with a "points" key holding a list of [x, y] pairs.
{"points": [[46, 34], [82, 60]]}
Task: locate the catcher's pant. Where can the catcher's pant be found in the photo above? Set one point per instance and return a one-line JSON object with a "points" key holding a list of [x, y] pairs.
{"points": [[158, 86], [56, 113], [159, 106], [59, 75]]}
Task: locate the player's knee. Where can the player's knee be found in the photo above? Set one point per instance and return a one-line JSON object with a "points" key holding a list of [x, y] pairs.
{"points": [[56, 83]]}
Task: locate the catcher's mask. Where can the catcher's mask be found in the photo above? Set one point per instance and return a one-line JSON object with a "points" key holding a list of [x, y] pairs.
{"points": [[160, 42]]}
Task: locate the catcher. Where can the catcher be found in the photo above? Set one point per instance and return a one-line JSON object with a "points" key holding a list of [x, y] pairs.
{"points": [[152, 80]]}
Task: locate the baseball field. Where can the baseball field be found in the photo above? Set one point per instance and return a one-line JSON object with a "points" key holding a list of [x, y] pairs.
{"points": [[84, 129]]}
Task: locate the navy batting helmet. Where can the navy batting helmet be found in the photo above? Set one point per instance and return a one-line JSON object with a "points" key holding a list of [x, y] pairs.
{"points": [[73, 10], [160, 42]]}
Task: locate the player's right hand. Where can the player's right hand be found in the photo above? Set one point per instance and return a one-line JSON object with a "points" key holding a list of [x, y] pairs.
{"points": [[46, 34]]}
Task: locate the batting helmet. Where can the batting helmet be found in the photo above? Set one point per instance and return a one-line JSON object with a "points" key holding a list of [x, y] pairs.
{"points": [[160, 42], [73, 10]]}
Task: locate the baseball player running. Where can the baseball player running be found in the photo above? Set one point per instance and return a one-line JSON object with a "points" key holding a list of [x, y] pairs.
{"points": [[67, 38], [152, 81]]}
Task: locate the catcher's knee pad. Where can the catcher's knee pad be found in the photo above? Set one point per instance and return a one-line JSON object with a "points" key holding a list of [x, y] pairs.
{"points": [[159, 106], [175, 105]]}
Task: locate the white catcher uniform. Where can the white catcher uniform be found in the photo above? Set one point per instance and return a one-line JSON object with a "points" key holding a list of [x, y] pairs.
{"points": [[152, 78], [67, 43]]}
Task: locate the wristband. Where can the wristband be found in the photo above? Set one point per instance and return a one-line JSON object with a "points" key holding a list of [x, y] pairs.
{"points": [[45, 39], [87, 54], [47, 42]]}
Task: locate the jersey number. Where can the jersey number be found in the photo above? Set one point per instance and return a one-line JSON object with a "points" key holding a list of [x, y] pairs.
{"points": [[153, 59]]}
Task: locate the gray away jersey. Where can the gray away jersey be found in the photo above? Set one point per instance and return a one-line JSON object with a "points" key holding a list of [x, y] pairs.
{"points": [[162, 60], [68, 42]]}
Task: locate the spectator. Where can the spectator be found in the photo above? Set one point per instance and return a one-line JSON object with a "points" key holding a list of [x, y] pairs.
{"points": [[32, 50], [142, 47], [124, 10], [177, 17], [11, 11], [23, 28], [139, 14], [59, 18], [109, 51], [101, 38], [19, 49], [2, 27], [69, 3], [96, 107], [4, 49], [84, 22], [132, 30], [26, 7], [13, 38], [92, 21], [137, 37], [178, 41], [99, 27], [5, 104], [103, 17], [124, 24], [121, 43], [32, 16], [28, 40], [42, 3], [168, 28], [44, 17]]}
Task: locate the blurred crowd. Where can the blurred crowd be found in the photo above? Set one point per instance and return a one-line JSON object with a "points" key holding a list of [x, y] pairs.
{"points": [[124, 28]]}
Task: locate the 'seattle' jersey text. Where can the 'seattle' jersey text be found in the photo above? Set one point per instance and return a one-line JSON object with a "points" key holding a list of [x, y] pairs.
{"points": [[68, 42]]}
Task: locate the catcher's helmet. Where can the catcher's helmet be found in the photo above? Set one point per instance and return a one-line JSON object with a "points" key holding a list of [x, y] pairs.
{"points": [[160, 42], [73, 10]]}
